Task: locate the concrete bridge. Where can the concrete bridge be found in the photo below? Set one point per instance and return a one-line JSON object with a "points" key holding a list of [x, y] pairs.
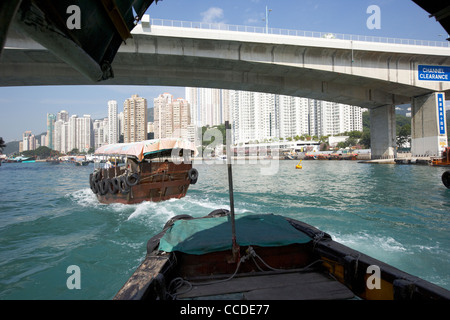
{"points": [[374, 75]]}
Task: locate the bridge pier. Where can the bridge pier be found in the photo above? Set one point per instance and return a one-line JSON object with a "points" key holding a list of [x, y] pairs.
{"points": [[383, 132], [428, 125]]}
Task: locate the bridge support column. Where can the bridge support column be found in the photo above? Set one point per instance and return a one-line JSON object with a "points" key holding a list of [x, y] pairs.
{"points": [[428, 125], [383, 132]]}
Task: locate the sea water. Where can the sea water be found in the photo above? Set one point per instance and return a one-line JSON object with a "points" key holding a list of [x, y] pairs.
{"points": [[50, 220]]}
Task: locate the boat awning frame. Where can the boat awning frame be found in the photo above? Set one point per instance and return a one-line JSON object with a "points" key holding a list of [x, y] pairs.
{"points": [[146, 147]]}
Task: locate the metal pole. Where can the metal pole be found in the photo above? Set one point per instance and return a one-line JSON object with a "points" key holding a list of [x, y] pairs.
{"points": [[235, 248], [267, 21]]}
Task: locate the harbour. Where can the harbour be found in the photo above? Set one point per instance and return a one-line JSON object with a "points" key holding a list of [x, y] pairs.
{"points": [[50, 219], [322, 226]]}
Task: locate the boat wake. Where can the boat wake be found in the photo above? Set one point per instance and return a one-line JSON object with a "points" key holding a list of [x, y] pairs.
{"points": [[84, 198], [363, 242]]}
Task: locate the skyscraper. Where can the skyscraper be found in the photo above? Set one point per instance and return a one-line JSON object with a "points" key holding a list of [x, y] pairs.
{"points": [[207, 106], [80, 133], [113, 122], [28, 141], [172, 117], [62, 115], [50, 130], [135, 119]]}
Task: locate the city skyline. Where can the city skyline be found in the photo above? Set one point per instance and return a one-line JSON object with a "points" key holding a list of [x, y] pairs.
{"points": [[254, 116], [399, 19]]}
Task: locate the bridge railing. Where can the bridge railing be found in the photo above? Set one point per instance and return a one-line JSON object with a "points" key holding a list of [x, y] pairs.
{"points": [[295, 33]]}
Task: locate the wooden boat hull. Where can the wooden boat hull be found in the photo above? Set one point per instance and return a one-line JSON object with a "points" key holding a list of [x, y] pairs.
{"points": [[318, 269], [157, 181]]}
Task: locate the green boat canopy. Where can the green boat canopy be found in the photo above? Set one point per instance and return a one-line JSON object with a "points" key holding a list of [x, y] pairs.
{"points": [[200, 236]]}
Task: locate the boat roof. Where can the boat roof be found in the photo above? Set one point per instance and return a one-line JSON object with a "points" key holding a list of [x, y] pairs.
{"points": [[200, 236], [142, 148]]}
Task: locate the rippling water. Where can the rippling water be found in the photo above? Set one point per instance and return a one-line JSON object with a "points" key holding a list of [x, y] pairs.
{"points": [[49, 219]]}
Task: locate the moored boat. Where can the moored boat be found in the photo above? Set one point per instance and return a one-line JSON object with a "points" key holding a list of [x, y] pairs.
{"points": [[279, 258], [444, 160], [151, 170]]}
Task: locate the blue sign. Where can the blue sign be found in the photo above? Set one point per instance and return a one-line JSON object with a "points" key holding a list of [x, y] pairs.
{"points": [[434, 73], [441, 113]]}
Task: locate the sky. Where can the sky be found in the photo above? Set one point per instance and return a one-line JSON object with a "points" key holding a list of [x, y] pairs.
{"points": [[25, 108]]}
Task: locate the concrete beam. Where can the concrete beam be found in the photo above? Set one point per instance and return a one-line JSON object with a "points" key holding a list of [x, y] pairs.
{"points": [[378, 75], [383, 132], [428, 127]]}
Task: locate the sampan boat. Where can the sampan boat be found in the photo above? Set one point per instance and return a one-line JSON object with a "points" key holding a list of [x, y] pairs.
{"points": [[277, 258], [150, 170]]}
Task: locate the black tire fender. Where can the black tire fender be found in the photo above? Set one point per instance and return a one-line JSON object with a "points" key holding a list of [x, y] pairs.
{"points": [[133, 179], [193, 175], [103, 187], [113, 186], [446, 179], [93, 184], [123, 186]]}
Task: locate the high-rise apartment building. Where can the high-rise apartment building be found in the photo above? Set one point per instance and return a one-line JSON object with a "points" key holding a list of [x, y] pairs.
{"points": [[62, 115], [62, 135], [208, 106], [113, 122], [172, 117], [160, 115], [100, 128], [135, 119], [80, 133], [264, 116], [50, 130], [28, 141]]}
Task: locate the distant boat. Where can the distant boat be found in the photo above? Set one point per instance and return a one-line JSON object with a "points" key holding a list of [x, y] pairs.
{"points": [[53, 161], [81, 162], [444, 160], [151, 170]]}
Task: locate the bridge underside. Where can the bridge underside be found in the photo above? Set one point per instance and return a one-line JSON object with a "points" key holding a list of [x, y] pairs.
{"points": [[319, 73], [30, 67]]}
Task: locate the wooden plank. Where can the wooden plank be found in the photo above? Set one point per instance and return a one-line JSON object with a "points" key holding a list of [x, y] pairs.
{"points": [[137, 285], [327, 290], [311, 285]]}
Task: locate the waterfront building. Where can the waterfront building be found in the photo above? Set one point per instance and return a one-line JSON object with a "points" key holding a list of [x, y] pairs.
{"points": [[62, 115], [207, 106], [50, 130], [28, 141], [80, 133], [61, 136], [268, 117], [135, 119], [172, 117], [121, 124], [160, 104], [100, 131], [113, 122], [43, 140]]}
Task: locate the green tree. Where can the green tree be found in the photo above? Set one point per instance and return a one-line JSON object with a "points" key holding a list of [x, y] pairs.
{"points": [[2, 144], [404, 135], [74, 151], [365, 139], [41, 152]]}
